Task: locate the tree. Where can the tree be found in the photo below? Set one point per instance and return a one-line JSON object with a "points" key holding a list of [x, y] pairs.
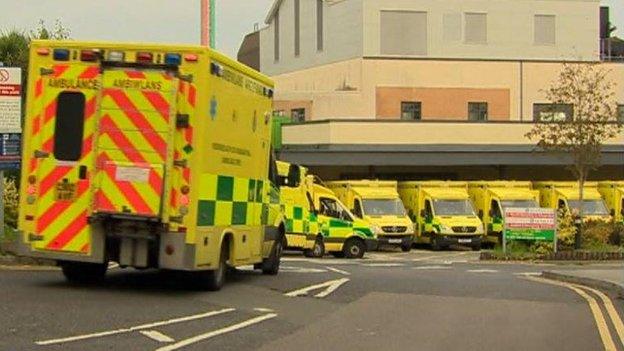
{"points": [[589, 91]]}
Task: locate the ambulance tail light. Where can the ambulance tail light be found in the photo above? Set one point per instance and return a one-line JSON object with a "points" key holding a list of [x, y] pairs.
{"points": [[173, 59], [191, 58], [32, 179], [61, 54], [116, 56], [43, 51], [144, 57], [89, 55]]}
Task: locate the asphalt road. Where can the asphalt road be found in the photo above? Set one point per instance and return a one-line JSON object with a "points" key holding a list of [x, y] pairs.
{"points": [[390, 301]]}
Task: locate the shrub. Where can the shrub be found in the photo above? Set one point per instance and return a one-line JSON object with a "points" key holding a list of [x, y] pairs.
{"points": [[597, 233], [566, 231]]}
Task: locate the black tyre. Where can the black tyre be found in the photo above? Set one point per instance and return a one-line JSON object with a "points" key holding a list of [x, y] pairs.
{"points": [[435, 244], [318, 250], [271, 265], [406, 247], [215, 279], [354, 248], [81, 272]]}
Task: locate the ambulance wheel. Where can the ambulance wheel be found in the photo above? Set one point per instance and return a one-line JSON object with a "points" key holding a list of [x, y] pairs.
{"points": [[271, 265], [214, 280], [435, 245], [82, 272], [317, 251], [406, 247], [354, 248]]}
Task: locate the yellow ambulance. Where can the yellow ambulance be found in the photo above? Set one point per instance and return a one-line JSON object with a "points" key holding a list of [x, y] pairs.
{"points": [[443, 213], [564, 196], [491, 198], [152, 156], [378, 203], [344, 234], [613, 194], [302, 227]]}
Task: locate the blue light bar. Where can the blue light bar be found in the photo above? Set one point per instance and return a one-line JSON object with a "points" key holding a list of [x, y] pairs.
{"points": [[61, 54], [173, 59]]}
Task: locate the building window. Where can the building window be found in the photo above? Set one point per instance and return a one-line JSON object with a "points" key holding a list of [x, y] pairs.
{"points": [[297, 28], [477, 111], [620, 113], [69, 126], [319, 25], [276, 38], [411, 111], [552, 112], [298, 115], [403, 33], [476, 28], [544, 30]]}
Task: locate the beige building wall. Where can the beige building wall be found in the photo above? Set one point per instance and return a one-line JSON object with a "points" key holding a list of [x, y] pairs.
{"points": [[350, 89], [510, 28]]}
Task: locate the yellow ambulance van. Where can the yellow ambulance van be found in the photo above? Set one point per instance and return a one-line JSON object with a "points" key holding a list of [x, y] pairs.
{"points": [[564, 196], [378, 203], [149, 155], [443, 213], [491, 198]]}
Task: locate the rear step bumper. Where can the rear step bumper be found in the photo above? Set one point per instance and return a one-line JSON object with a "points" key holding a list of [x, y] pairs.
{"points": [[25, 249]]}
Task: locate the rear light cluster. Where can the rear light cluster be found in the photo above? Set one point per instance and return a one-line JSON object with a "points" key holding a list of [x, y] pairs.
{"points": [[31, 190], [184, 200], [94, 55]]}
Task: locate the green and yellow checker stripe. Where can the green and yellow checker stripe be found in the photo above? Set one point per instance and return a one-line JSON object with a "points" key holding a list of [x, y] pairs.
{"points": [[228, 201]]}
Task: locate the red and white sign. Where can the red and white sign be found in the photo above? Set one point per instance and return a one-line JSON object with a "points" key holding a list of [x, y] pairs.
{"points": [[10, 99], [537, 218]]}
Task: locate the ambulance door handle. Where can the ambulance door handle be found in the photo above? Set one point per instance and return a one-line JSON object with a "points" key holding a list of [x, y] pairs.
{"points": [[41, 154], [82, 172]]}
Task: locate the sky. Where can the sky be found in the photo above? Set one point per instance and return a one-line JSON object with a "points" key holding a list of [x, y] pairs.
{"points": [[166, 21]]}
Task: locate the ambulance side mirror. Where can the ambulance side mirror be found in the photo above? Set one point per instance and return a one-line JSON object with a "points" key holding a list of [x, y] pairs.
{"points": [[491, 213], [612, 212], [423, 213], [480, 214], [294, 176]]}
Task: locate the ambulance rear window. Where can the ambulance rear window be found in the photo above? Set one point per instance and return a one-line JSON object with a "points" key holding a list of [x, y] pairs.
{"points": [[69, 126]]}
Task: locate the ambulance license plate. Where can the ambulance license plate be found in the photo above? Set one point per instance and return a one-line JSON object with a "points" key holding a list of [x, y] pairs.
{"points": [[394, 241], [464, 241], [65, 191]]}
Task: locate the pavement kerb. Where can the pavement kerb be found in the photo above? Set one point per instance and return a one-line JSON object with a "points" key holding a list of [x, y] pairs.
{"points": [[594, 283]]}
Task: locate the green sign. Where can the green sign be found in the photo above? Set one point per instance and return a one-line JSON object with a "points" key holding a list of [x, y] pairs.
{"points": [[530, 234]]}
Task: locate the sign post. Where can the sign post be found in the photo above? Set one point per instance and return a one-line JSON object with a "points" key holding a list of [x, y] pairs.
{"points": [[534, 224], [10, 126]]}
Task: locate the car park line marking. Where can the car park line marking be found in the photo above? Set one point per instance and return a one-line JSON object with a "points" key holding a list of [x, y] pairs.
{"points": [[330, 286], [431, 267], [613, 314], [214, 333], [601, 324], [113, 265], [293, 269], [339, 271], [157, 336], [136, 328], [528, 274], [482, 271], [263, 309], [383, 265]]}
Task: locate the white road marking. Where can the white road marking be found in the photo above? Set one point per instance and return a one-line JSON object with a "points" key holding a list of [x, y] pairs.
{"points": [[431, 267], [135, 328], [157, 336], [263, 309], [292, 269], [113, 265], [383, 265], [212, 334], [340, 271], [528, 274], [330, 286], [482, 271]]}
